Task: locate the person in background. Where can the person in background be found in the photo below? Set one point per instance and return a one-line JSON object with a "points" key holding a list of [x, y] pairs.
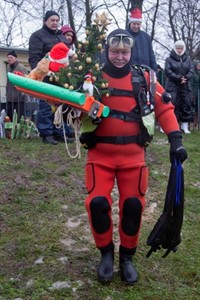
{"points": [[70, 36], [142, 52], [179, 70], [161, 80], [40, 43], [160, 75], [116, 152], [15, 99], [196, 91]]}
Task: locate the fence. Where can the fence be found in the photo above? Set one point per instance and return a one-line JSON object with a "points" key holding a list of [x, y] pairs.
{"points": [[28, 107]]}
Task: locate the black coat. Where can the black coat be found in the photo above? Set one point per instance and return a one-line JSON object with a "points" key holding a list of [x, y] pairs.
{"points": [[41, 42], [175, 67]]}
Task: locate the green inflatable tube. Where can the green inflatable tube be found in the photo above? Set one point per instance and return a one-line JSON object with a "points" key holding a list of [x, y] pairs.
{"points": [[51, 90], [47, 89]]}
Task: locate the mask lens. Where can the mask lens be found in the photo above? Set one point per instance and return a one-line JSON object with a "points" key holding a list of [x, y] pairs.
{"points": [[114, 41], [127, 41], [123, 41]]}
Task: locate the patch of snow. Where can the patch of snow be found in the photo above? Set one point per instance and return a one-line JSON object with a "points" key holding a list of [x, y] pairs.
{"points": [[60, 285], [65, 207], [29, 283], [71, 223], [67, 242], [39, 261], [63, 259]]}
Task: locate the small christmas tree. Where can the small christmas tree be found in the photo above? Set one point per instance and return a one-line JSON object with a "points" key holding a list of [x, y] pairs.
{"points": [[86, 62]]}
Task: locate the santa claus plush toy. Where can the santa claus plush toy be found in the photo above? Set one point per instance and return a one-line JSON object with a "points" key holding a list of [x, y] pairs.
{"points": [[88, 86], [59, 57]]}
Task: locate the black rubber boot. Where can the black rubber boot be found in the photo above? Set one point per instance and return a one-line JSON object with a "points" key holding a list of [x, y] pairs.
{"points": [[128, 272], [49, 140], [105, 269]]}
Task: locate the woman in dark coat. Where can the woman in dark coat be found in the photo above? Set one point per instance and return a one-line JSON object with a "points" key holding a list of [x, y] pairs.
{"points": [[179, 70], [196, 91]]}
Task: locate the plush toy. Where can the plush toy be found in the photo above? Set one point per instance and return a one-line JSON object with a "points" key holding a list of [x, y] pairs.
{"points": [[57, 58], [88, 86], [41, 70]]}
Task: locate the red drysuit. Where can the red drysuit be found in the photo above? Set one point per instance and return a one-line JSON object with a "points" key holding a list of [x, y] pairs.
{"points": [[125, 163]]}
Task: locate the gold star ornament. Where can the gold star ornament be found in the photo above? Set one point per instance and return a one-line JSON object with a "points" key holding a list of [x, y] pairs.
{"points": [[101, 21]]}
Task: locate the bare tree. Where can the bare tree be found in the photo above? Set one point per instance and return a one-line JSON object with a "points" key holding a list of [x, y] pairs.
{"points": [[165, 21], [184, 23]]}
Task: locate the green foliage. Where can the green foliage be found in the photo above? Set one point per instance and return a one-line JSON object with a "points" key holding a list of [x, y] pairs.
{"points": [[86, 62]]}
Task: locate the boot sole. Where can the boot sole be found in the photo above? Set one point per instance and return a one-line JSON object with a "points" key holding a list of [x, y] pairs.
{"points": [[105, 281], [128, 283]]}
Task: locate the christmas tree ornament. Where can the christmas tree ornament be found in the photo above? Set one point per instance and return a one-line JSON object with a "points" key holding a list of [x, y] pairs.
{"points": [[101, 21], [87, 60], [88, 87], [66, 85], [94, 78]]}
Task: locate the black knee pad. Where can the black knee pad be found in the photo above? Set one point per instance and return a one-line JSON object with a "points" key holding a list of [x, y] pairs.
{"points": [[131, 216], [99, 208]]}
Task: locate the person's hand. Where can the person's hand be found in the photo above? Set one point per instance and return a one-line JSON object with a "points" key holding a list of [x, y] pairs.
{"points": [[19, 73], [88, 140], [183, 80], [177, 151]]}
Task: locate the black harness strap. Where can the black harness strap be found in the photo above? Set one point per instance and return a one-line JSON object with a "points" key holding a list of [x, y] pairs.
{"points": [[121, 140], [140, 92], [120, 92], [125, 116], [136, 81]]}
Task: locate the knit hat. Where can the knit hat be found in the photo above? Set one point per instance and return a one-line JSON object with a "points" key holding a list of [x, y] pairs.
{"points": [[59, 57], [135, 15], [67, 28], [50, 13], [181, 44], [13, 53]]}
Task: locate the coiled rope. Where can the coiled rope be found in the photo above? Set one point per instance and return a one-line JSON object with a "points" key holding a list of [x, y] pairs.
{"points": [[73, 121]]}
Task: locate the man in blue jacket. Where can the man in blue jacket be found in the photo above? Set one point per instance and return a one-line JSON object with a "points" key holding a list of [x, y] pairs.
{"points": [[40, 43], [142, 52]]}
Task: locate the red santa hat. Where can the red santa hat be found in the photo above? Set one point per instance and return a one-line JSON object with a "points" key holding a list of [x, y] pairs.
{"points": [[88, 77], [135, 15], [59, 56]]}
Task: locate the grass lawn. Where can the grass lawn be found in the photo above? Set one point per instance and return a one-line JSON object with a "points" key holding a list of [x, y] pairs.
{"points": [[46, 247]]}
